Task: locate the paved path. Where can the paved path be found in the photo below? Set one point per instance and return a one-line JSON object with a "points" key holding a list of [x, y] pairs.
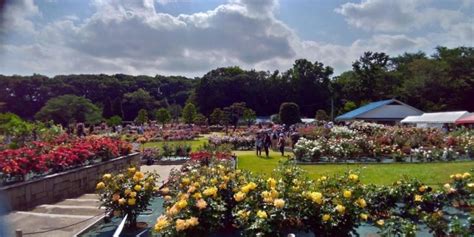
{"points": [[71, 215]]}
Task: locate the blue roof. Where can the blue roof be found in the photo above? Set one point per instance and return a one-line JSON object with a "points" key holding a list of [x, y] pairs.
{"points": [[364, 109]]}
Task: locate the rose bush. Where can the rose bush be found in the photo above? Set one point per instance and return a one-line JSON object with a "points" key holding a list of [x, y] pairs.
{"points": [[205, 200], [127, 193]]}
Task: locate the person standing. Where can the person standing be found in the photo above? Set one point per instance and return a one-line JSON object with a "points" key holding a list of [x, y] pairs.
{"points": [[259, 144], [281, 144], [267, 142]]}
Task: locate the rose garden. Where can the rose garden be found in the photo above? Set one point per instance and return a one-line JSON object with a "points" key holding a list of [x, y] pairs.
{"points": [[330, 182]]}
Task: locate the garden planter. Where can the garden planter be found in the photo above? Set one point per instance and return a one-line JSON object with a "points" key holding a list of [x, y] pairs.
{"points": [[68, 184]]}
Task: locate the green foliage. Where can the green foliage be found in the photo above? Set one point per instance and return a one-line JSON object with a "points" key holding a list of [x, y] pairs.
{"points": [[70, 108], [275, 118], [189, 113], [163, 116], [349, 106], [114, 121], [175, 111], [216, 116], [142, 117], [233, 113], [200, 119], [289, 113], [321, 115], [249, 116], [136, 101]]}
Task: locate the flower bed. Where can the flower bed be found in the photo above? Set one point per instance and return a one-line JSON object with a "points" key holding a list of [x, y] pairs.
{"points": [[238, 142], [364, 140], [201, 200], [42, 158]]}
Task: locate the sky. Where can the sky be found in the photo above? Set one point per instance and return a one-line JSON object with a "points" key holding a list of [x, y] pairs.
{"points": [[192, 37]]}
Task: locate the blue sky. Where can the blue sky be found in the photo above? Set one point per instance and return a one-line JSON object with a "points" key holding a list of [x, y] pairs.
{"points": [[191, 37]]}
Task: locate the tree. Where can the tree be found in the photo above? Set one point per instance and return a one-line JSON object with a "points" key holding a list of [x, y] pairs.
{"points": [[175, 111], [107, 110], [117, 108], [163, 116], [216, 116], [349, 106], [321, 115], [136, 101], [114, 121], [189, 113], [200, 119], [142, 117], [69, 108], [235, 112], [249, 116], [289, 113]]}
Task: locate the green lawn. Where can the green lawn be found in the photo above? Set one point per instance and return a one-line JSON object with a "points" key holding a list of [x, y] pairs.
{"points": [[429, 173], [194, 143]]}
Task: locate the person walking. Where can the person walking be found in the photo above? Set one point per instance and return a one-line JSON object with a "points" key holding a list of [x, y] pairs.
{"points": [[281, 144], [259, 144], [267, 142]]}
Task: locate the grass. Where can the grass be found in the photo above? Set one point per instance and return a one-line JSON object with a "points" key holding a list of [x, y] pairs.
{"points": [[194, 143], [429, 173]]}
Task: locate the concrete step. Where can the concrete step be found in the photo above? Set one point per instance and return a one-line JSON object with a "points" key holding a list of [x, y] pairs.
{"points": [[80, 202], [89, 196], [68, 210]]}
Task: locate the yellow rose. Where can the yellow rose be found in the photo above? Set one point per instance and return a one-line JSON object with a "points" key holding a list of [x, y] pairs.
{"points": [[340, 208], [191, 189], [185, 181], [470, 185], [172, 211], [132, 201], [364, 216], [167, 197], [252, 185], [323, 178], [273, 193], [279, 203], [223, 186], [181, 225], [210, 191], [361, 202], [245, 189], [347, 194], [197, 196], [380, 222], [161, 223], [213, 181], [271, 182], [137, 188], [422, 188], [243, 214], [193, 221], [466, 175], [239, 196], [418, 198], [182, 204], [165, 190], [262, 214], [316, 197], [122, 201], [353, 177], [326, 217], [458, 176], [201, 204], [138, 176], [133, 194], [100, 185], [107, 176], [447, 186], [127, 191], [132, 170]]}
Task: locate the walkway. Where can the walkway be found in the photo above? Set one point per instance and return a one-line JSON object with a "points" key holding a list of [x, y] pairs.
{"points": [[67, 217]]}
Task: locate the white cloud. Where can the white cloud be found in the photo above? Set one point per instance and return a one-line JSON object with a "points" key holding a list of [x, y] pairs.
{"points": [[130, 36], [397, 15], [16, 17]]}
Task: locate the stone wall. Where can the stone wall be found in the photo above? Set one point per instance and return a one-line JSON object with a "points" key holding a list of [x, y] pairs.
{"points": [[68, 184]]}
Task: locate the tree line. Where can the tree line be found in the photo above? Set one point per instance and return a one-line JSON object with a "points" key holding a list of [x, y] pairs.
{"points": [[442, 81]]}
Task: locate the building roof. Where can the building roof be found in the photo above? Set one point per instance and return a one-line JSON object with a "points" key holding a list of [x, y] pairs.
{"points": [[439, 117], [373, 111], [468, 119]]}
